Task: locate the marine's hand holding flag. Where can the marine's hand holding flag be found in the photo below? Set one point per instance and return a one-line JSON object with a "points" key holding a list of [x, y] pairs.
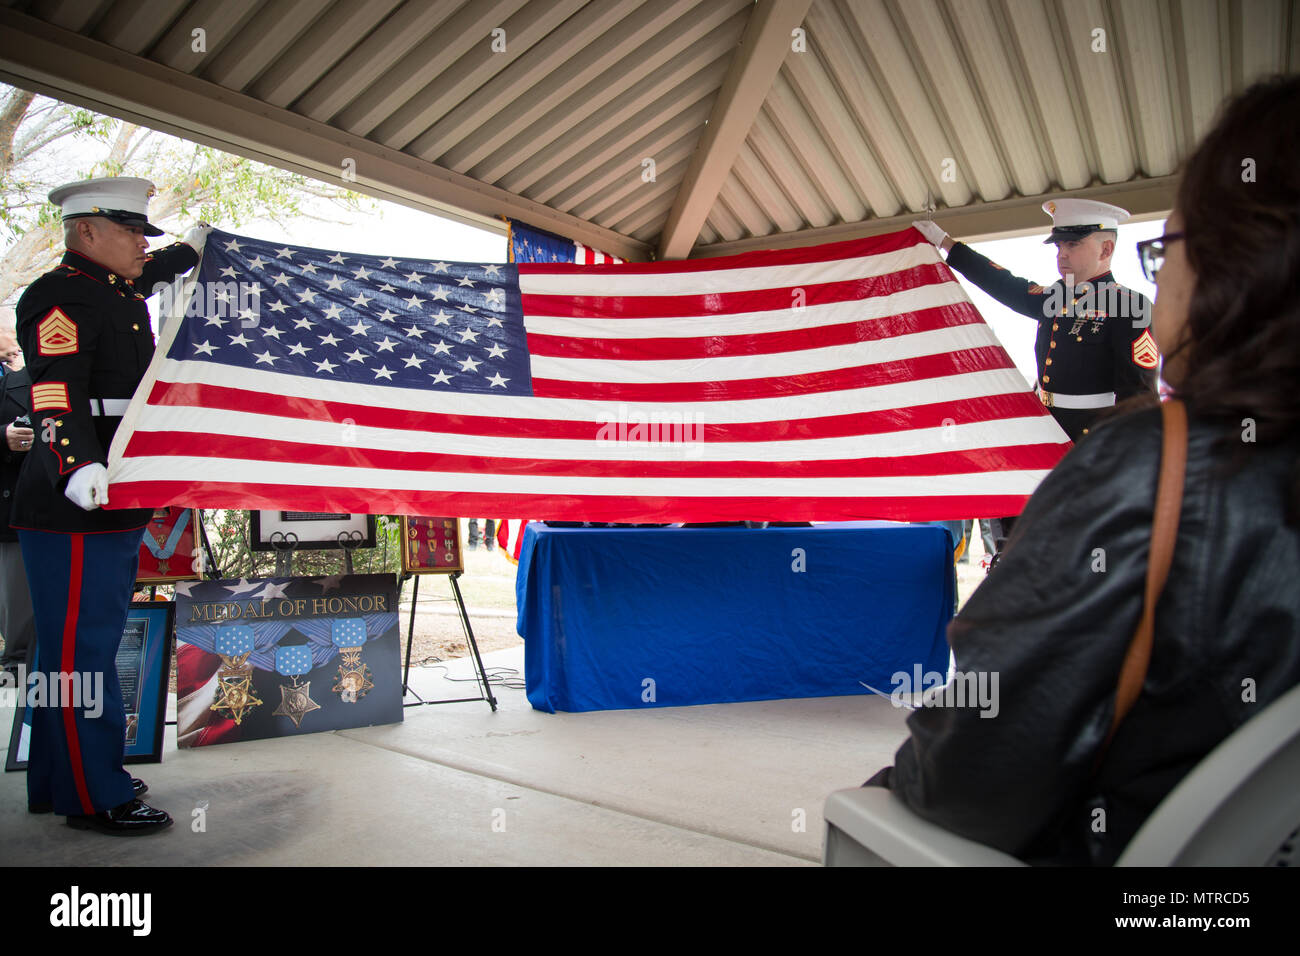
{"points": [[87, 487], [196, 236]]}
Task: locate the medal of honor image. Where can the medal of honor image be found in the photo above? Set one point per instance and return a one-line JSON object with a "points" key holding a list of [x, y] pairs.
{"points": [[295, 698]]}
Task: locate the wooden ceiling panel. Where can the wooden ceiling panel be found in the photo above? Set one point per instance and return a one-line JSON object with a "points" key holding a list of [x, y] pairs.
{"points": [[780, 122]]}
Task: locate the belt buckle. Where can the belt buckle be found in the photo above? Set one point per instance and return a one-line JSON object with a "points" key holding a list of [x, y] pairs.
{"points": [[1046, 397]]}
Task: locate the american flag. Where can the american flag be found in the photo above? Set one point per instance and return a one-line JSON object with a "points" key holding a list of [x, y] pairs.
{"points": [[842, 381], [530, 244], [510, 537]]}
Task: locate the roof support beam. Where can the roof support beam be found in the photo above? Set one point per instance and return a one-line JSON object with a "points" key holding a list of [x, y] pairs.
{"points": [[762, 51], [1145, 199], [73, 68]]}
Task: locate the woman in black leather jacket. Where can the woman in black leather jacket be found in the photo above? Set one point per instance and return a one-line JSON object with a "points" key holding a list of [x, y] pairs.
{"points": [[1055, 616]]}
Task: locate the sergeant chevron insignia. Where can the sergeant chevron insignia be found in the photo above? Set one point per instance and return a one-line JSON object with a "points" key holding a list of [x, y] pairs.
{"points": [[1145, 352], [57, 334]]}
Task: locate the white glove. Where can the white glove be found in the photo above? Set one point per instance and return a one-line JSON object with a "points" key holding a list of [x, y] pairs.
{"points": [[197, 236], [88, 487], [932, 232]]}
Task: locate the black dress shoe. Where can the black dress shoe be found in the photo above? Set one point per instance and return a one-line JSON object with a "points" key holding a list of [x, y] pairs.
{"points": [[129, 819], [138, 787]]}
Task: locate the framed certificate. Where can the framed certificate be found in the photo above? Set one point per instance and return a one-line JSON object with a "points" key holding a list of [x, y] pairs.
{"points": [[309, 530], [144, 659]]}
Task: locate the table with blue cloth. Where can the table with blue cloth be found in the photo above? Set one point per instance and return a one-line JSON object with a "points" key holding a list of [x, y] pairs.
{"points": [[661, 617]]}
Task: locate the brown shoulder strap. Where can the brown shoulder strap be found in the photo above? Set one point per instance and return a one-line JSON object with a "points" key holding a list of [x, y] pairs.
{"points": [[1164, 531]]}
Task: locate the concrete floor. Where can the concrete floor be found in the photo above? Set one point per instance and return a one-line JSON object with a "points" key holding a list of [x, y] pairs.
{"points": [[721, 784]]}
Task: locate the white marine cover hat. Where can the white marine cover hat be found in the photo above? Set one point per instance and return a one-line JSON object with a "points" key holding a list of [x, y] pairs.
{"points": [[123, 199], [1076, 218]]}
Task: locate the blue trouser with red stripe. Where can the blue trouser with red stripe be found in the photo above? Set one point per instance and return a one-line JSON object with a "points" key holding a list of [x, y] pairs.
{"points": [[81, 588]]}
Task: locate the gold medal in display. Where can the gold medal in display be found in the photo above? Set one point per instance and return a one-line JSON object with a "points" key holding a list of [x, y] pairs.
{"points": [[234, 696], [354, 677], [349, 636]]}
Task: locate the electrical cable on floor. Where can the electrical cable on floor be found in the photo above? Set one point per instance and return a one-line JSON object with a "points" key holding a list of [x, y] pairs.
{"points": [[507, 677], [426, 661]]}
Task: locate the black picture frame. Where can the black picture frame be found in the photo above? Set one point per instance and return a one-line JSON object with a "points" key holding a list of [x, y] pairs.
{"points": [[16, 755], [143, 672], [267, 531], [158, 619]]}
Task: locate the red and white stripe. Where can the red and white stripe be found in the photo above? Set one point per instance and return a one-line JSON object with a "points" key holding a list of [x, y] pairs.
{"points": [[851, 380], [587, 256], [510, 537]]}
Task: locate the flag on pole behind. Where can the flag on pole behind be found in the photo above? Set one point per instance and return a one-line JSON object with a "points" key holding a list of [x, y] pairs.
{"points": [[530, 244], [841, 381], [510, 537]]}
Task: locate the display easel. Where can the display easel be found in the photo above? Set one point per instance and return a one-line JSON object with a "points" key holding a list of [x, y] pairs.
{"points": [[480, 673], [432, 546], [210, 571]]}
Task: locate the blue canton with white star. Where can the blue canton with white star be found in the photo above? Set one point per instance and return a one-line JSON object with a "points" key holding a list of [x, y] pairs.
{"points": [[330, 316]]}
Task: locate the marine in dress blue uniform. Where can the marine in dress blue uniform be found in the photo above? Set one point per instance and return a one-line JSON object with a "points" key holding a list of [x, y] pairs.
{"points": [[1094, 346], [86, 337]]}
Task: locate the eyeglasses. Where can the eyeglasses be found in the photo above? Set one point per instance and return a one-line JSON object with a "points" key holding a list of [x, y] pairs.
{"points": [[1151, 253]]}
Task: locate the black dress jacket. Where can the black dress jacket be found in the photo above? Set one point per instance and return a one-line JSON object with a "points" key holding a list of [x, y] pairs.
{"points": [[1054, 618], [1092, 339], [86, 337], [15, 391]]}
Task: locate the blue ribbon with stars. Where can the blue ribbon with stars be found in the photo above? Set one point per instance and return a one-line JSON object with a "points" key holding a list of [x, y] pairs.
{"points": [[348, 632], [293, 661], [268, 634], [169, 546], [233, 640]]}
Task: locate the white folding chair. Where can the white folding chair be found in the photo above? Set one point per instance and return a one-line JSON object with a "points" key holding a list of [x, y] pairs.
{"points": [[1240, 806]]}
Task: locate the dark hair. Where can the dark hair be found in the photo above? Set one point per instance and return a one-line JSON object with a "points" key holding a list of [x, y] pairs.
{"points": [[1239, 198], [1240, 202]]}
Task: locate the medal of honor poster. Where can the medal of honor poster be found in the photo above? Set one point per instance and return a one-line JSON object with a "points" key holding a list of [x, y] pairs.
{"points": [[278, 657]]}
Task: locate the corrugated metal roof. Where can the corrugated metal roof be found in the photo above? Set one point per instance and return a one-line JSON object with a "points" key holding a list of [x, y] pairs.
{"points": [[677, 127]]}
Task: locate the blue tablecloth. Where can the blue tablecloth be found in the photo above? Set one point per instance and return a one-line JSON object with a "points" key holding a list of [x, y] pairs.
{"points": [[659, 617]]}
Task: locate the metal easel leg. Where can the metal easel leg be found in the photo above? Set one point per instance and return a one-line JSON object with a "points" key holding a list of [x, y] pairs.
{"points": [[473, 644], [212, 571], [410, 640]]}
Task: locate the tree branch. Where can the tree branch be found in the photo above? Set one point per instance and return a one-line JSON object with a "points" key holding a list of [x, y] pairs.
{"points": [[27, 148], [15, 107]]}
